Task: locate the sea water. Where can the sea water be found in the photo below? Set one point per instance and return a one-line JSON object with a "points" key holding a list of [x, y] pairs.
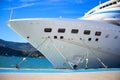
{"points": [[11, 61]]}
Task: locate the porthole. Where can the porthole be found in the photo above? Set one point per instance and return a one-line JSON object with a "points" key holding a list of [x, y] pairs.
{"points": [[28, 37], [80, 38], [89, 39], [96, 39], [116, 37], [61, 37], [71, 38], [107, 36], [55, 37]]}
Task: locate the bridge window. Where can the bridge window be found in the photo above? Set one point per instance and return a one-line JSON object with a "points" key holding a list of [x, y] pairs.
{"points": [[100, 7], [47, 30], [91, 12], [97, 33], [87, 32], [61, 30], [74, 31], [114, 2]]}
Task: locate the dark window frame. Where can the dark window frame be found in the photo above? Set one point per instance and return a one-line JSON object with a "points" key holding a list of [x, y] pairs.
{"points": [[98, 33], [75, 31], [61, 30], [87, 32], [47, 29]]}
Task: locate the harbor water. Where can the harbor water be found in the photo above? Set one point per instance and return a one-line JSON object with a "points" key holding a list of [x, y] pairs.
{"points": [[11, 61]]}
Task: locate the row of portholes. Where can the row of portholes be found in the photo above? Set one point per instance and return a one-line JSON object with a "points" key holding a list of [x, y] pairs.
{"points": [[89, 39], [62, 37]]}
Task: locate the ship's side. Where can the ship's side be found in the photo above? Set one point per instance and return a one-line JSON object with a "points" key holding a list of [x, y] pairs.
{"points": [[66, 43]]}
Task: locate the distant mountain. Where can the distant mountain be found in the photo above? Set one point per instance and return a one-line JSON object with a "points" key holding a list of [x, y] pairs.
{"points": [[17, 46], [8, 48], [5, 51]]}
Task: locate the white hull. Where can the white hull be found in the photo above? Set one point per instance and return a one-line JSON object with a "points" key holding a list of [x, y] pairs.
{"points": [[72, 49]]}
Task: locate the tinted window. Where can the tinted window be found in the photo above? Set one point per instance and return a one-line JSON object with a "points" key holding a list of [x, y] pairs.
{"points": [[97, 33], [74, 31], [62, 30], [47, 30], [114, 2], [87, 32]]}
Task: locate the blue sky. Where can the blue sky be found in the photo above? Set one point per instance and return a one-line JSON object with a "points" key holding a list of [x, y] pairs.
{"points": [[40, 9]]}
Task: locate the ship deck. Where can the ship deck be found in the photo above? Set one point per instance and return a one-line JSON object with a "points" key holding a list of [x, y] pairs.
{"points": [[59, 74]]}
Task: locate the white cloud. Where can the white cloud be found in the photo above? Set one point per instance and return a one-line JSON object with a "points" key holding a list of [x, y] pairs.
{"points": [[27, 3], [75, 1], [22, 6]]}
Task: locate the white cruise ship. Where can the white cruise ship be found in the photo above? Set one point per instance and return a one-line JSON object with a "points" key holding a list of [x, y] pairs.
{"points": [[92, 41]]}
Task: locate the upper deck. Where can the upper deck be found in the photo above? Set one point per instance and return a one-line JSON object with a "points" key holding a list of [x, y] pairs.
{"points": [[106, 5]]}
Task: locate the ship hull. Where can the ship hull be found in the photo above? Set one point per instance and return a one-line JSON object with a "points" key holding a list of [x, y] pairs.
{"points": [[66, 50]]}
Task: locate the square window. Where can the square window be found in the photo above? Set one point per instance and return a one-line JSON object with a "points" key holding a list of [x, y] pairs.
{"points": [[74, 31], [98, 33], [61, 30], [47, 30], [87, 32]]}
